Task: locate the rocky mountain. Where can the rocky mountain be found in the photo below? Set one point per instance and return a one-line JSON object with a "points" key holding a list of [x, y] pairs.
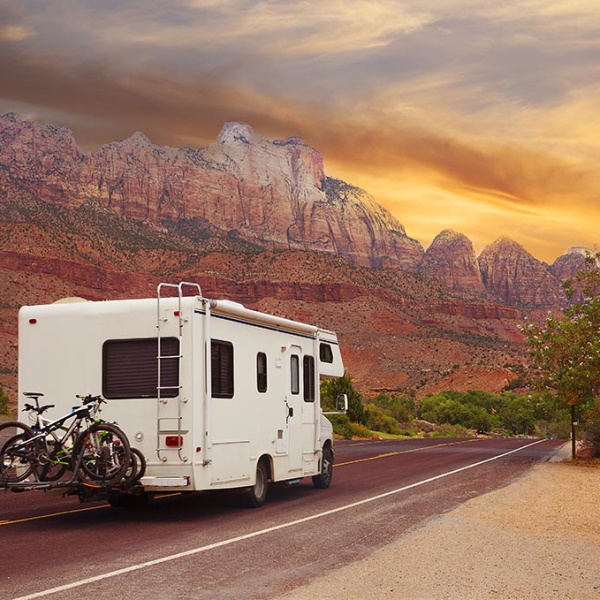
{"points": [[451, 260], [567, 265], [513, 276], [272, 194], [259, 222]]}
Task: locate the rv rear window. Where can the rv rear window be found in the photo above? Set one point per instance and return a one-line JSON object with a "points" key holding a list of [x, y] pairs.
{"points": [[309, 378], [130, 368], [325, 353], [261, 372], [221, 369]]}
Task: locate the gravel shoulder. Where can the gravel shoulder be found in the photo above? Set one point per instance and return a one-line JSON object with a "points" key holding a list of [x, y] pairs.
{"points": [[536, 538]]}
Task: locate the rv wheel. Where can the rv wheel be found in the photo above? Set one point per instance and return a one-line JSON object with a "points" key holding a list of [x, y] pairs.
{"points": [[256, 495], [323, 479]]}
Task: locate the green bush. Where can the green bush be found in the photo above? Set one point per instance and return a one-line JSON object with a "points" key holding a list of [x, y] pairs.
{"points": [[379, 419], [451, 431], [558, 430], [331, 388], [3, 402], [517, 415], [402, 408], [341, 426], [592, 437], [359, 430]]}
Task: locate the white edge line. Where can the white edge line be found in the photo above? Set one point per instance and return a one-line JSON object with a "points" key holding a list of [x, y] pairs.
{"points": [[248, 536]]}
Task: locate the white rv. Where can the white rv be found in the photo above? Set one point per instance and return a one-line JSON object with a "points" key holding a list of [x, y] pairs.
{"points": [[213, 394]]}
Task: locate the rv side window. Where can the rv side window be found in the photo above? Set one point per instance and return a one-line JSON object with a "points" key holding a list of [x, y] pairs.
{"points": [[309, 379], [295, 373], [325, 353], [261, 372], [130, 368], [221, 369]]}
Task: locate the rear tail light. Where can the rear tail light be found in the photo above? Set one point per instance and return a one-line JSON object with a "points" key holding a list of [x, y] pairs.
{"points": [[174, 441]]}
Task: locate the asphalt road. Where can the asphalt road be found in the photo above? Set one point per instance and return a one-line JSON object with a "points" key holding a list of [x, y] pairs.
{"points": [[204, 546]]}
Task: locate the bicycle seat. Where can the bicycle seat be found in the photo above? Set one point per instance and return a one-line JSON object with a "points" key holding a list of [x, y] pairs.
{"points": [[33, 394]]}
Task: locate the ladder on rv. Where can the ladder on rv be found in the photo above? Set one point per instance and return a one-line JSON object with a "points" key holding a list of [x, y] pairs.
{"points": [[170, 426]]}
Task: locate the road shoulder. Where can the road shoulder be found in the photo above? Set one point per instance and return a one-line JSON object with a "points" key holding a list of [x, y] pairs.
{"points": [[536, 538]]}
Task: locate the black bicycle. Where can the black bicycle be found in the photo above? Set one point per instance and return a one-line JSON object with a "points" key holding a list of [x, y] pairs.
{"points": [[97, 452]]}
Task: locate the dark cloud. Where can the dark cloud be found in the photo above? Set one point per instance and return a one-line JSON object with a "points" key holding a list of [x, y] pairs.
{"points": [[475, 101]]}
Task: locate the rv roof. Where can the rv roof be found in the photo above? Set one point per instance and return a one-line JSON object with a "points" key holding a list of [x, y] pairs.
{"points": [[223, 307]]}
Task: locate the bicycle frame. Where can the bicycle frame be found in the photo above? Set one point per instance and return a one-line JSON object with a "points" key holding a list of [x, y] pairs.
{"points": [[46, 428]]}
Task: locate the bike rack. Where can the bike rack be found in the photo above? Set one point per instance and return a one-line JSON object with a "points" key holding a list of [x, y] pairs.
{"points": [[25, 486]]}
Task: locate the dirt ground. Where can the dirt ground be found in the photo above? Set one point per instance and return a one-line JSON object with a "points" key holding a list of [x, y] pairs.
{"points": [[537, 538]]}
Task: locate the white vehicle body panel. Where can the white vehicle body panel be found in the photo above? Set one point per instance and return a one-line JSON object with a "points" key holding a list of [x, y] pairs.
{"points": [[70, 349]]}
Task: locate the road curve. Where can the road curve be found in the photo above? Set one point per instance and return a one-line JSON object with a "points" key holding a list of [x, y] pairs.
{"points": [[205, 546]]}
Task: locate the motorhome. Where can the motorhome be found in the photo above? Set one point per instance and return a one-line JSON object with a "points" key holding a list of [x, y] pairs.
{"points": [[214, 395]]}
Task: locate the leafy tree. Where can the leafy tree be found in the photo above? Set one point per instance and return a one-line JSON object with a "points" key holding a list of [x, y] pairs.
{"points": [[380, 419], [517, 415], [402, 408], [331, 388], [565, 350]]}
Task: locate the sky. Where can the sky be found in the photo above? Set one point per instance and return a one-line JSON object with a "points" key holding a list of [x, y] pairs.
{"points": [[474, 115]]}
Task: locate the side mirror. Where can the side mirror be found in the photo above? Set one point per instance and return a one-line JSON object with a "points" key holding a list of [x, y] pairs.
{"points": [[341, 402]]}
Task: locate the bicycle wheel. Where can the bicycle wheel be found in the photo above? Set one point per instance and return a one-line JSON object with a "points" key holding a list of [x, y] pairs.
{"points": [[136, 469], [18, 458], [101, 454], [54, 461]]}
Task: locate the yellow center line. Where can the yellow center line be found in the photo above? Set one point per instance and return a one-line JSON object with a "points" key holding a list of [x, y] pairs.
{"points": [[388, 454], [69, 512], [350, 462], [57, 514]]}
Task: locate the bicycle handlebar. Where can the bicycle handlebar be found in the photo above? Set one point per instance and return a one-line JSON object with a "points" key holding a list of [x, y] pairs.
{"points": [[89, 399]]}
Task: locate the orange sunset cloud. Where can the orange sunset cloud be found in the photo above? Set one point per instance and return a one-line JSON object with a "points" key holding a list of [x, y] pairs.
{"points": [[483, 119]]}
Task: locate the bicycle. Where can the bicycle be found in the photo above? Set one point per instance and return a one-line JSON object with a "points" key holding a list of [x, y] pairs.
{"points": [[97, 452]]}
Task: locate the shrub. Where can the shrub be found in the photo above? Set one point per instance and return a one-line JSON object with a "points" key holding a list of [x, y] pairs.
{"points": [[379, 419], [341, 426], [331, 388], [3, 402], [557, 429], [451, 431], [359, 430], [592, 436]]}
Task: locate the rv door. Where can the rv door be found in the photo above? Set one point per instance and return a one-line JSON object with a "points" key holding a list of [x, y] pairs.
{"points": [[293, 407]]}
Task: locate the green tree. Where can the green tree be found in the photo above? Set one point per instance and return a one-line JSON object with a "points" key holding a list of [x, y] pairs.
{"points": [[331, 388], [517, 415], [565, 350]]}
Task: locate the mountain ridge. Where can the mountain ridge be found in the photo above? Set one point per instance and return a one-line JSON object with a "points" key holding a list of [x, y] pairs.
{"points": [[260, 222]]}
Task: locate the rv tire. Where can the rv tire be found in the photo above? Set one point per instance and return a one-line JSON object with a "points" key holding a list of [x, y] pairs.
{"points": [[255, 495], [323, 479]]}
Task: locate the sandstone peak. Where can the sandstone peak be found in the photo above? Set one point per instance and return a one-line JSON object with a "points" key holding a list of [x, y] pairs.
{"points": [[11, 117], [233, 133], [451, 260], [504, 242], [566, 266], [138, 139], [579, 250], [513, 275], [449, 235]]}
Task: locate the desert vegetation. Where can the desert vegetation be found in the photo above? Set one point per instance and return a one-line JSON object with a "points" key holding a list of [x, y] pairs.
{"points": [[448, 414], [561, 387]]}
